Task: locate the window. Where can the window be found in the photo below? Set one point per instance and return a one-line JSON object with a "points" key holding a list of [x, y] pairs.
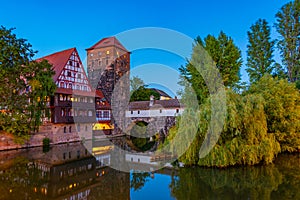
{"points": [[177, 110], [71, 112], [91, 54], [85, 88], [70, 154], [160, 111], [106, 114], [90, 113], [61, 97], [64, 156], [70, 129], [100, 63], [78, 127], [107, 52], [78, 154], [138, 112], [79, 76], [70, 86], [77, 87], [107, 58], [131, 112], [63, 112], [61, 84], [86, 128], [70, 62], [69, 74], [99, 114], [77, 64], [65, 129]]}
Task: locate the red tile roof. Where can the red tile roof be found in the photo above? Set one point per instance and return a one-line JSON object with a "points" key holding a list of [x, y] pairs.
{"points": [[107, 42], [58, 60]]}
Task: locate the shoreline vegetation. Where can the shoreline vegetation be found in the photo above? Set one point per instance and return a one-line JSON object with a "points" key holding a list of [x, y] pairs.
{"points": [[262, 118]]}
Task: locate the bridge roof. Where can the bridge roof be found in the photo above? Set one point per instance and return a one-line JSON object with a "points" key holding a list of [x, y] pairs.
{"points": [[145, 105]]}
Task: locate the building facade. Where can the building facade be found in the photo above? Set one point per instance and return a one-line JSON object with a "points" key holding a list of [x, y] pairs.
{"points": [[108, 66], [75, 107]]}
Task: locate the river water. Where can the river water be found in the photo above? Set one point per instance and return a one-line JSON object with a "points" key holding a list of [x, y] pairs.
{"points": [[70, 172]]}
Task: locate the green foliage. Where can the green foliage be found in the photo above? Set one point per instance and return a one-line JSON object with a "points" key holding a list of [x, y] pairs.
{"points": [[46, 142], [225, 54], [46, 145], [138, 180], [288, 27], [136, 83], [143, 94], [24, 84], [259, 124], [282, 109], [141, 143], [259, 50]]}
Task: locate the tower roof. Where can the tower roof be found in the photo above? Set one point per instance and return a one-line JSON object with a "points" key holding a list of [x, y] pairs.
{"points": [[107, 42], [58, 60]]}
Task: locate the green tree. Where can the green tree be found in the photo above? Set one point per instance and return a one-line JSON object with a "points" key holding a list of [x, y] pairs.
{"points": [[143, 94], [282, 109], [227, 58], [225, 54], [24, 84], [41, 87], [259, 50], [288, 27], [136, 83]]}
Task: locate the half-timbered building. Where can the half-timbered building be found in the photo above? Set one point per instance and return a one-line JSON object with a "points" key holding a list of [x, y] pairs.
{"points": [[75, 106]]}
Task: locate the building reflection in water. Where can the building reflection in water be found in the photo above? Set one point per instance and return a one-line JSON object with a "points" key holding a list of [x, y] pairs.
{"points": [[67, 171]]}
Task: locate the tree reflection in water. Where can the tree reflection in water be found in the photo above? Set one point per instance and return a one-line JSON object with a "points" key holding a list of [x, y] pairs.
{"points": [[278, 181]]}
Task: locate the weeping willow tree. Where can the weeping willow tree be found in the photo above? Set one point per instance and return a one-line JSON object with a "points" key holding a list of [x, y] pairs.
{"points": [[282, 109], [244, 139], [260, 123]]}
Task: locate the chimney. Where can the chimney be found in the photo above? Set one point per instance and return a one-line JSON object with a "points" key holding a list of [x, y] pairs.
{"points": [[151, 103]]}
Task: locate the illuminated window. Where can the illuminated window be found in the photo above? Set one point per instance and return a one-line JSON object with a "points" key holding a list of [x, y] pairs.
{"points": [[106, 114]]}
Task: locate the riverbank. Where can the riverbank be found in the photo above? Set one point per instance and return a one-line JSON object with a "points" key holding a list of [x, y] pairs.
{"points": [[8, 141]]}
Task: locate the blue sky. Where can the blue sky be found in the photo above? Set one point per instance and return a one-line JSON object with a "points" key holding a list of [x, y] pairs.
{"points": [[56, 25]]}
